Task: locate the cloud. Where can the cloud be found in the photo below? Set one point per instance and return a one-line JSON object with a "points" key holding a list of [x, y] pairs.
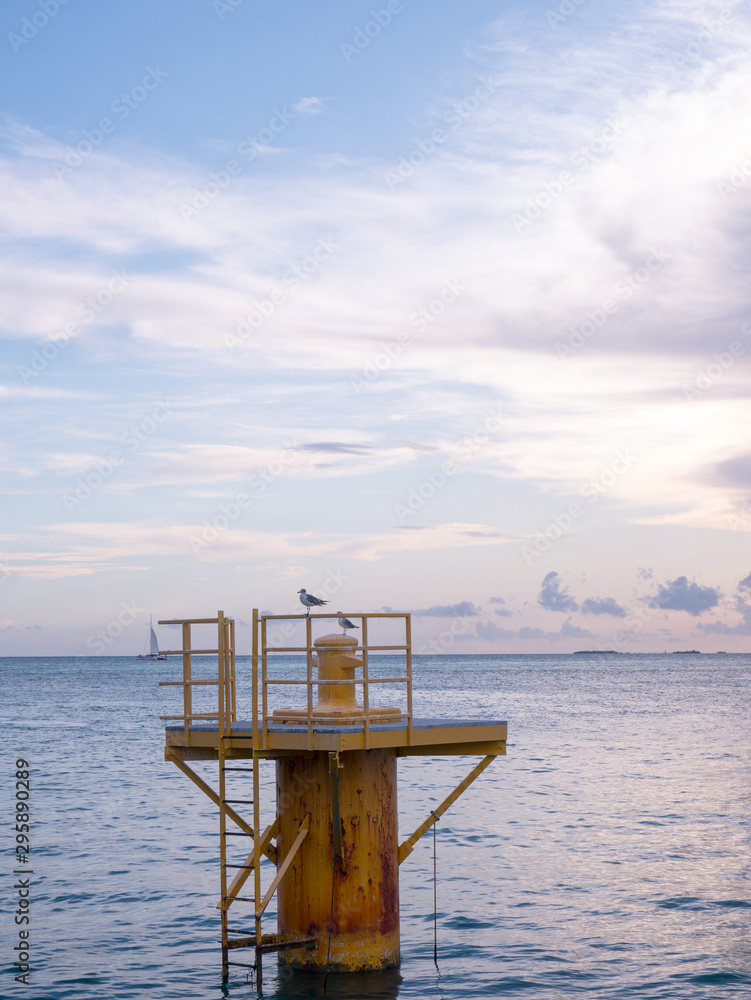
{"points": [[464, 609], [603, 606], [735, 471], [742, 606], [680, 595], [502, 611], [721, 628], [85, 548], [553, 597], [490, 632]]}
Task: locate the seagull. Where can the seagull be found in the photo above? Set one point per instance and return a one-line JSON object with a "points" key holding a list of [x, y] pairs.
{"points": [[345, 623], [309, 601]]}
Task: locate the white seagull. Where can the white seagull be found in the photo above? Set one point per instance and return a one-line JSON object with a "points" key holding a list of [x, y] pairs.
{"points": [[345, 623], [309, 601]]}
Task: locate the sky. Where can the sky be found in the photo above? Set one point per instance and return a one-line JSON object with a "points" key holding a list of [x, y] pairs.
{"points": [[433, 307]]}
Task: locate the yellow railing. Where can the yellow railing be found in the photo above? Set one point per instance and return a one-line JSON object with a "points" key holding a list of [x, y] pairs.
{"points": [[262, 649], [226, 711]]}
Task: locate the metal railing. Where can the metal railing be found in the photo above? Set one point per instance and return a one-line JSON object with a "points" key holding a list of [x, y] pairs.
{"points": [[226, 711], [262, 649]]}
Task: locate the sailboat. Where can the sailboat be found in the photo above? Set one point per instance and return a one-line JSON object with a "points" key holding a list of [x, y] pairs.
{"points": [[153, 653]]}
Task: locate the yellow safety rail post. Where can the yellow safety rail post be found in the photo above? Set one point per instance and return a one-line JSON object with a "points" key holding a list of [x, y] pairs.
{"points": [[254, 679], [309, 667], [187, 677], [365, 683], [264, 678], [408, 640], [221, 722]]}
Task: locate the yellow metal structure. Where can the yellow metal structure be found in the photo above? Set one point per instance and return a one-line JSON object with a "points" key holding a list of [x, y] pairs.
{"points": [[337, 853]]}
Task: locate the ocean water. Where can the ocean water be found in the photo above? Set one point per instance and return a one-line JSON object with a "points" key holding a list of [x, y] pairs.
{"points": [[607, 855]]}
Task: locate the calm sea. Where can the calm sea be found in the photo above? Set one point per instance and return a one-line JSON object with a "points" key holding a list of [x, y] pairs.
{"points": [[608, 855]]}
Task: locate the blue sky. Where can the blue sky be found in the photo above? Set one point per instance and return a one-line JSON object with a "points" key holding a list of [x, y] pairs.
{"points": [[441, 308]]}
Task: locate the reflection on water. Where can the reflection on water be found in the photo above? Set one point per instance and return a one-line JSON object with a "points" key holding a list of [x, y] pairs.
{"points": [[301, 985], [607, 855]]}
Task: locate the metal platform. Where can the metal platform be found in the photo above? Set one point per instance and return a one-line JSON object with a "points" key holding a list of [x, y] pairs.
{"points": [[429, 736]]}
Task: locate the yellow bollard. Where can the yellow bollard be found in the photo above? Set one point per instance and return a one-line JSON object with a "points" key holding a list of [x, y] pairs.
{"points": [[337, 703]]}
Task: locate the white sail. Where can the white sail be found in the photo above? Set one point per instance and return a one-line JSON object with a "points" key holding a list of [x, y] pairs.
{"points": [[153, 644]]}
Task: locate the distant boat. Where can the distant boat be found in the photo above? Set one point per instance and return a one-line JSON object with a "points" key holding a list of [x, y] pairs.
{"points": [[153, 653]]}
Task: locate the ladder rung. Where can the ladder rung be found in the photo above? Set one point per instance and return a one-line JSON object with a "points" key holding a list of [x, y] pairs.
{"points": [[242, 899], [246, 867], [234, 833], [237, 769], [237, 802], [245, 965]]}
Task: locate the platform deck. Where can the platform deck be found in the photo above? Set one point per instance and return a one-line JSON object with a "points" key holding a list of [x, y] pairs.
{"points": [[429, 736]]}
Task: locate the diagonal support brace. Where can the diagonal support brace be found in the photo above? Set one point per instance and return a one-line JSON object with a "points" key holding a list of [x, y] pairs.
{"points": [[269, 851], [407, 846], [240, 879], [302, 834]]}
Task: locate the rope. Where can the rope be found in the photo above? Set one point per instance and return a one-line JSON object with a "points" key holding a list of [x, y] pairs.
{"points": [[435, 897]]}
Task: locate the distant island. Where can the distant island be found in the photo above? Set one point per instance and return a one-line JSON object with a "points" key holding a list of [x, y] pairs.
{"points": [[596, 652], [686, 652]]}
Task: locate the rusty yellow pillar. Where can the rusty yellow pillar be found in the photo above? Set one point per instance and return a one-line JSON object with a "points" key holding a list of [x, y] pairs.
{"points": [[343, 885]]}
